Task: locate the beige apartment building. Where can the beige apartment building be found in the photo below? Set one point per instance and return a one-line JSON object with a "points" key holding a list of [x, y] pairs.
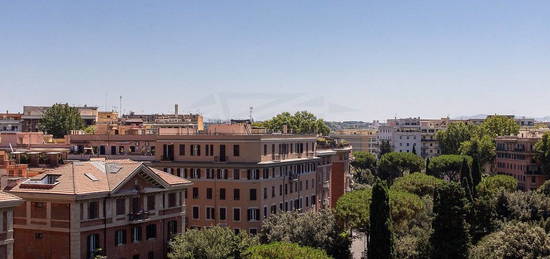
{"points": [[365, 140], [240, 179]]}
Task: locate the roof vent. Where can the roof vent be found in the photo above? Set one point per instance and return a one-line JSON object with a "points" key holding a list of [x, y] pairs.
{"points": [[91, 177], [113, 168]]}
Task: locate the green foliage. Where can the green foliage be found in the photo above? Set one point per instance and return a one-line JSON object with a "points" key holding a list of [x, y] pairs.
{"points": [[466, 179], [498, 125], [381, 241], [515, 240], [493, 185], [542, 152], [364, 161], [450, 238], [284, 250], [60, 119], [476, 174], [301, 122], [395, 164], [544, 188], [352, 209], [451, 138], [482, 147], [417, 183], [385, 147], [524, 206], [447, 165], [213, 242], [482, 217], [313, 229], [90, 129]]}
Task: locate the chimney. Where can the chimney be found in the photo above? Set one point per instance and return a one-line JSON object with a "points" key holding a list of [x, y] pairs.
{"points": [[176, 109]]}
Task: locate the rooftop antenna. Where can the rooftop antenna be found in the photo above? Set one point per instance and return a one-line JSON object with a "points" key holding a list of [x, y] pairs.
{"points": [[120, 106], [251, 109]]}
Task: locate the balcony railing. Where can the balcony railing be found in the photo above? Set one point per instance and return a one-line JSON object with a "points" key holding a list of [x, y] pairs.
{"points": [[138, 216], [220, 159]]}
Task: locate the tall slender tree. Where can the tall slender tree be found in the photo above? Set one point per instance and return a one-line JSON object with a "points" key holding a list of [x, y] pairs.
{"points": [[381, 244], [476, 174], [450, 238], [428, 171], [466, 179]]}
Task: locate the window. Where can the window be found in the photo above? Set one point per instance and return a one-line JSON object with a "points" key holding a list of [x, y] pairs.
{"points": [[151, 255], [236, 174], [121, 206], [236, 194], [253, 214], [272, 191], [93, 210], [195, 193], [236, 214], [182, 150], [172, 227], [172, 200], [151, 231], [252, 194], [210, 213], [120, 237], [135, 257], [265, 150], [223, 214], [265, 212], [92, 242], [136, 234], [265, 193], [209, 173], [209, 193], [222, 194], [236, 150], [253, 231], [151, 202], [195, 212]]}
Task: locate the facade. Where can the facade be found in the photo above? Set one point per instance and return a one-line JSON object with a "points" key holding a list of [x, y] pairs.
{"points": [[515, 157], [10, 122], [7, 204], [135, 147], [33, 114], [403, 135], [122, 208], [168, 121], [365, 140], [429, 128]]}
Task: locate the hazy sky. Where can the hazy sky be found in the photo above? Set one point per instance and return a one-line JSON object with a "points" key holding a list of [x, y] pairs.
{"points": [[343, 60]]}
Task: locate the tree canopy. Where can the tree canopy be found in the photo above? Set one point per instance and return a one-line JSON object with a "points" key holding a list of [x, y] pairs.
{"points": [[364, 161], [498, 125], [482, 147], [447, 165], [60, 119], [385, 147], [542, 152], [395, 164], [492, 185], [313, 229], [451, 138], [515, 240], [284, 250], [417, 183], [213, 242], [301, 122]]}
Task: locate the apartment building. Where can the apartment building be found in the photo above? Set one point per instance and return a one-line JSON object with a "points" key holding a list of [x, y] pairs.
{"points": [[515, 157], [240, 179], [123, 208], [10, 122], [365, 140], [33, 114], [135, 147], [7, 204], [404, 135], [429, 128], [169, 121]]}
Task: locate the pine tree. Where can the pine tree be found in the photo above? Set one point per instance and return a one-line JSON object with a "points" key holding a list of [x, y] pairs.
{"points": [[428, 171], [381, 244], [476, 173], [450, 237]]}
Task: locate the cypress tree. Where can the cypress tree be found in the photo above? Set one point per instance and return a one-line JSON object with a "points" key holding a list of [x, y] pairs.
{"points": [[476, 173], [381, 243], [450, 237], [428, 171], [466, 179]]}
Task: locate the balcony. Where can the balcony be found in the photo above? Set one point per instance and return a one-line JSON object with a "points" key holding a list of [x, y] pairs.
{"points": [[220, 159], [139, 216], [326, 184]]}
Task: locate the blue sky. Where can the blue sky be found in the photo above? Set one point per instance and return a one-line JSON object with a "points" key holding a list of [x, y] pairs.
{"points": [[343, 60]]}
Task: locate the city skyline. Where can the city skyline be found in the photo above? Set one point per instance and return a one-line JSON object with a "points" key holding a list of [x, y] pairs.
{"points": [[341, 61]]}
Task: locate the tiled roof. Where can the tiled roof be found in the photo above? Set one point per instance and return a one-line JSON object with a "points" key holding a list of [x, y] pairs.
{"points": [[90, 177], [9, 200]]}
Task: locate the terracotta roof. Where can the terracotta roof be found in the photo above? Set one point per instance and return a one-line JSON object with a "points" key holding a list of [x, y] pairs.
{"points": [[89, 177], [9, 200]]}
